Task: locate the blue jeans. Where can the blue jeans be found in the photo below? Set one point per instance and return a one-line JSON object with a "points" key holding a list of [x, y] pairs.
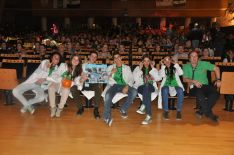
{"points": [[145, 91], [111, 92], [165, 96]]}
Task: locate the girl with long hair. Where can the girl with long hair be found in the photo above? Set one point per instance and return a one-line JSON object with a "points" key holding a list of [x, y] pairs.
{"points": [[171, 85], [68, 74], [145, 78]]}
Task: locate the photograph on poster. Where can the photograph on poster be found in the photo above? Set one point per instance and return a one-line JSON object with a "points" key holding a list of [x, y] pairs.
{"points": [[97, 73]]}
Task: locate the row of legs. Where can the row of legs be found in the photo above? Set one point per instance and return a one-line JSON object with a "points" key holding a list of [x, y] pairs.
{"points": [[206, 99]]}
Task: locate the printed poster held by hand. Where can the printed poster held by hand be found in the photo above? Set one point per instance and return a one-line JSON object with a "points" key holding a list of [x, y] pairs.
{"points": [[97, 73]]}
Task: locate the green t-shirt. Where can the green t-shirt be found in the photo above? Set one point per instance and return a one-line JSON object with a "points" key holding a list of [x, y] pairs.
{"points": [[200, 71], [118, 77], [146, 74], [51, 70], [171, 82]]}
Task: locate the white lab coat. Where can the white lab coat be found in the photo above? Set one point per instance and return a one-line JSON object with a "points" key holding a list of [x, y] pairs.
{"points": [[41, 72], [172, 90], [138, 77], [57, 77], [127, 76]]}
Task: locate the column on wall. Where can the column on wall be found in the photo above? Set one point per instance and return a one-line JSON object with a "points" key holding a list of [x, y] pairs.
{"points": [[44, 23], [138, 21], [187, 22], [90, 22], [67, 22], [163, 23], [114, 21], [65, 3], [213, 20], [55, 4]]}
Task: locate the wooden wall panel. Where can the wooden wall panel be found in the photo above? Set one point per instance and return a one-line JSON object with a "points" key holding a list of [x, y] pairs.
{"points": [[135, 8]]}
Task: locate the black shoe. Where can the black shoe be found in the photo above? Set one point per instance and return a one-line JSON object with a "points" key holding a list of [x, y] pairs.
{"points": [[230, 107], [178, 115], [226, 106], [123, 114], [198, 114], [80, 111], [115, 106], [96, 113], [166, 115], [213, 117]]}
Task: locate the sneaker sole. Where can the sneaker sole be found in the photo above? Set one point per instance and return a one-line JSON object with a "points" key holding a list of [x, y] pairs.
{"points": [[110, 123], [144, 123], [23, 111], [32, 111], [124, 117], [98, 117], [140, 112]]}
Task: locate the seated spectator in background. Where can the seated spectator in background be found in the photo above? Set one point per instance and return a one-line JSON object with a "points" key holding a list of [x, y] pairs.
{"points": [[120, 80], [171, 85], [42, 52], [19, 49], [145, 77], [180, 53], [77, 47], [104, 52], [229, 98], [140, 43], [188, 46], [4, 49], [148, 43], [168, 43], [61, 50], [205, 53], [229, 56], [195, 74], [37, 82], [121, 49], [36, 48], [158, 48], [69, 48]]}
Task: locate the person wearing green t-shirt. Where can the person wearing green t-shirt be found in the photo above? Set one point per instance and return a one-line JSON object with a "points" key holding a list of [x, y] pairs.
{"points": [[195, 74], [145, 78], [120, 81], [171, 85], [228, 97]]}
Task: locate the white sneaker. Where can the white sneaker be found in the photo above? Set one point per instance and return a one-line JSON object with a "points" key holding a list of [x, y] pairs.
{"points": [[31, 110], [23, 109], [58, 112], [108, 121], [53, 112], [147, 120], [141, 110]]}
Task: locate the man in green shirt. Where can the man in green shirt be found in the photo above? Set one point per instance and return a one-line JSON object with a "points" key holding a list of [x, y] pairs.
{"points": [[195, 74], [120, 81]]}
